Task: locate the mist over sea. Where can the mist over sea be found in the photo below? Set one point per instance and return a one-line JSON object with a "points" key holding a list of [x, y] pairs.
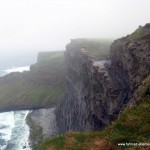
{"points": [[16, 60]]}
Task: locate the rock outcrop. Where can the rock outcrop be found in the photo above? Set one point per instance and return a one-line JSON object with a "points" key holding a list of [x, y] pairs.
{"points": [[132, 55], [97, 88], [134, 58]]}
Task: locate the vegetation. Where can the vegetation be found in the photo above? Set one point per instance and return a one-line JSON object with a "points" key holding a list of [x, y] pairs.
{"points": [[94, 47], [43, 86], [77, 141], [140, 33], [132, 126]]}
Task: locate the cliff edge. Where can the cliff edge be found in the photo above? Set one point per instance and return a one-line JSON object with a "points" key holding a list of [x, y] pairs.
{"points": [[87, 80], [99, 87]]}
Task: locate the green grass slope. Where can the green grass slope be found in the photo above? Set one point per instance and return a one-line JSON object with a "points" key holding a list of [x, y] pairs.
{"points": [[43, 86], [140, 33]]}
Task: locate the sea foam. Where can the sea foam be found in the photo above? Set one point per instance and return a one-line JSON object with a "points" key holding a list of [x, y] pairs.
{"points": [[17, 69], [14, 132]]}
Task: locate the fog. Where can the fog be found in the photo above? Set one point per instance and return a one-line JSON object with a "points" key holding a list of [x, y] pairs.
{"points": [[42, 25]]}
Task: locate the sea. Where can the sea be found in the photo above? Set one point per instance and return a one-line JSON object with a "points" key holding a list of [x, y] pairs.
{"points": [[14, 131]]}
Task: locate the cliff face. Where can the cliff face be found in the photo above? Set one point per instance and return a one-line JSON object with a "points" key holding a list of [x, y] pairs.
{"points": [[133, 57], [84, 106], [97, 89]]}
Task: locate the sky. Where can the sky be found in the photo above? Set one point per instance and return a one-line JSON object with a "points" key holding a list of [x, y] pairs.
{"points": [[48, 25]]}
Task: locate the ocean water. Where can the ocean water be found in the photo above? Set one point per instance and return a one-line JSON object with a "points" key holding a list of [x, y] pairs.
{"points": [[14, 132], [16, 62]]}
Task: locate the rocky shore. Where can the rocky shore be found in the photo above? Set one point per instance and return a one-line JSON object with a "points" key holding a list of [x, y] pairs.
{"points": [[42, 123]]}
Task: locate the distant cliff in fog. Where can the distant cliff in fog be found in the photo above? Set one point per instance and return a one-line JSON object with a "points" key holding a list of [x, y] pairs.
{"points": [[36, 88]]}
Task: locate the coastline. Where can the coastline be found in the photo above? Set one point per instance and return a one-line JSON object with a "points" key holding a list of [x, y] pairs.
{"points": [[24, 107], [24, 89], [42, 125]]}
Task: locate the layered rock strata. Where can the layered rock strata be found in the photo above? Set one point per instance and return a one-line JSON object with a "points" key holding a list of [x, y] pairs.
{"points": [[92, 98], [97, 89]]}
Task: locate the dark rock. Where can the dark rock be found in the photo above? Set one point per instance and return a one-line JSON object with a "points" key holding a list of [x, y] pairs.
{"points": [[87, 103], [96, 90], [24, 147], [147, 25]]}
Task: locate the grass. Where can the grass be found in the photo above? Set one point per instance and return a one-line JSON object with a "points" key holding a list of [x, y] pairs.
{"points": [[133, 123], [43, 86], [58, 142], [132, 126], [94, 47], [78, 141], [140, 33], [145, 90]]}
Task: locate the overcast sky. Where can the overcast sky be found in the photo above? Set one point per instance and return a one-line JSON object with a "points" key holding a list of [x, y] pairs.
{"points": [[35, 25]]}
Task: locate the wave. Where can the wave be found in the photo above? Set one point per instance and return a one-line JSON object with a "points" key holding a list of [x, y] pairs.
{"points": [[17, 69], [6, 126], [14, 132]]}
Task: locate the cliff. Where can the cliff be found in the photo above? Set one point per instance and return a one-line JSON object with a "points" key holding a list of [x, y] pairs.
{"points": [[131, 54], [97, 88], [40, 87], [84, 106]]}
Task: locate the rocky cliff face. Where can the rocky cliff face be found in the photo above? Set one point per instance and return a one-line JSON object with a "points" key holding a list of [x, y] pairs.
{"points": [[133, 57], [84, 106], [97, 89]]}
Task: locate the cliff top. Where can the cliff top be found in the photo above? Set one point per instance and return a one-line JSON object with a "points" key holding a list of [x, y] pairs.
{"points": [[140, 33], [94, 47]]}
